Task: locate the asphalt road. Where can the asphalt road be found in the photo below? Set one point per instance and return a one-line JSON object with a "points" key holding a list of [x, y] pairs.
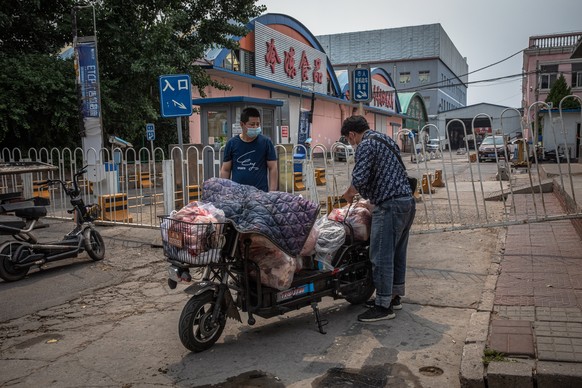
{"points": [[114, 324]]}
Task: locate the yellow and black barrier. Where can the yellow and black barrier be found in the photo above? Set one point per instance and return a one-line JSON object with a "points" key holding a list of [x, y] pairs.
{"points": [[438, 179], [143, 180], [320, 177], [298, 184], [40, 190], [424, 185], [114, 208]]}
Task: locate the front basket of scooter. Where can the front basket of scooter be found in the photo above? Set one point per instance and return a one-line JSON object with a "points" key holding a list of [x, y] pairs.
{"points": [[192, 243]]}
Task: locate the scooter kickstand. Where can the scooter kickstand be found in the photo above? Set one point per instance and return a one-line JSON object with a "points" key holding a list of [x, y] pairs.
{"points": [[320, 322]]}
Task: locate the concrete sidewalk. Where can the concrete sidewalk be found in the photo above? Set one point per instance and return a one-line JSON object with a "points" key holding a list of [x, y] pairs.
{"points": [[535, 327]]}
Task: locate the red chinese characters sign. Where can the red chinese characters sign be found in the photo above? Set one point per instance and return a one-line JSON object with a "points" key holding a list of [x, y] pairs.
{"points": [[272, 59], [284, 59], [382, 98]]}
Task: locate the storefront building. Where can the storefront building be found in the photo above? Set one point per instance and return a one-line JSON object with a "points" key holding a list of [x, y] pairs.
{"points": [[281, 69]]}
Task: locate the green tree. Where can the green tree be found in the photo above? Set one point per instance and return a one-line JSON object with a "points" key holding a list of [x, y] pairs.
{"points": [[559, 90], [138, 40], [37, 100]]}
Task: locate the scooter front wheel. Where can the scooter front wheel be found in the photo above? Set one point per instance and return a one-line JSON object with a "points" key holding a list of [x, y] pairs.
{"points": [[196, 329], [7, 270], [94, 244]]}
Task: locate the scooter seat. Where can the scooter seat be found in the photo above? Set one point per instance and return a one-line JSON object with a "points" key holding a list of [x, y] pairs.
{"points": [[12, 222], [31, 213], [11, 207]]}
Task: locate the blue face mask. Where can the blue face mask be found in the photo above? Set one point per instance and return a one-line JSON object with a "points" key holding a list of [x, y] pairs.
{"points": [[253, 132]]}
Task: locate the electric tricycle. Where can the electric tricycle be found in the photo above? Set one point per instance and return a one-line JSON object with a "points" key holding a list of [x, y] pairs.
{"points": [[25, 251], [231, 283]]}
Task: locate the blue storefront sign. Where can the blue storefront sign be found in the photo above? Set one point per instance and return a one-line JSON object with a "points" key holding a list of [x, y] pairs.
{"points": [[88, 78]]}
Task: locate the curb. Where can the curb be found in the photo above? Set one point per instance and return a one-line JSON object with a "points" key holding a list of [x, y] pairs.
{"points": [[472, 373]]}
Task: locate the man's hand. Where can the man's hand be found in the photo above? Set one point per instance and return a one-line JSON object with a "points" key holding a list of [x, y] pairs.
{"points": [[350, 194]]}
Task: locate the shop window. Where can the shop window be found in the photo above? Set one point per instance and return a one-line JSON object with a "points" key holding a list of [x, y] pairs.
{"points": [[231, 62], [424, 76], [577, 75], [405, 77], [248, 62], [548, 76], [217, 127]]}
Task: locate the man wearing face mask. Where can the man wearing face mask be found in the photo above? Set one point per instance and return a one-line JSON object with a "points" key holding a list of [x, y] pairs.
{"points": [[250, 157], [379, 176]]}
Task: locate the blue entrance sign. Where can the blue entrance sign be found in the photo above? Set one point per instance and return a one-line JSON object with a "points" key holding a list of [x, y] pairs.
{"points": [[175, 95], [150, 132], [361, 82]]}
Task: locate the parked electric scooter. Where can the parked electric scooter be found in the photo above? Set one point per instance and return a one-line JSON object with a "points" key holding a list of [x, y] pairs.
{"points": [[25, 251], [231, 281]]}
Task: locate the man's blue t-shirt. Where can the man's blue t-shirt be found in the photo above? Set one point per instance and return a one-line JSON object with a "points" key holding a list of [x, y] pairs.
{"points": [[249, 160]]}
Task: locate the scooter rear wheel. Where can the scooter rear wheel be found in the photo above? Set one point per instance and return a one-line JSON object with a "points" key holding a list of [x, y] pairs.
{"points": [[7, 270], [363, 293], [94, 244], [197, 332]]}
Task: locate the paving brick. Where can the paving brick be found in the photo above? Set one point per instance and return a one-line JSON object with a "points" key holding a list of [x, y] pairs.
{"points": [[576, 280], [556, 298], [510, 300], [562, 314], [512, 337], [549, 266], [517, 290], [558, 352], [551, 280], [558, 329], [524, 313]]}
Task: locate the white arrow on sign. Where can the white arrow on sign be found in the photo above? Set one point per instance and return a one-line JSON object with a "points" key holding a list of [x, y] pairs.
{"points": [[362, 94], [179, 104]]}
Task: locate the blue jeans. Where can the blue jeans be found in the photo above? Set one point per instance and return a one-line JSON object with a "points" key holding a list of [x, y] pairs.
{"points": [[391, 222]]}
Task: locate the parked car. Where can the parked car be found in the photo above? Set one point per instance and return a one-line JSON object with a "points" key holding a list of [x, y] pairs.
{"points": [[343, 151], [488, 146], [436, 145]]}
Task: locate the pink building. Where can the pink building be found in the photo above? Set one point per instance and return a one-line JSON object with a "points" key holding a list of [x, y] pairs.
{"points": [[281, 69], [546, 57]]}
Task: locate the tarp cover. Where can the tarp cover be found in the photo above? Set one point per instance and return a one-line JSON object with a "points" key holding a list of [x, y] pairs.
{"points": [[283, 218]]}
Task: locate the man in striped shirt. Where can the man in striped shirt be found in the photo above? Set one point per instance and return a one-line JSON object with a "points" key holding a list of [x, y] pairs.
{"points": [[380, 176]]}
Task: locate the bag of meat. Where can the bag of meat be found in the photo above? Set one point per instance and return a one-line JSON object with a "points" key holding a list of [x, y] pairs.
{"points": [[191, 233], [276, 267], [331, 237], [357, 216]]}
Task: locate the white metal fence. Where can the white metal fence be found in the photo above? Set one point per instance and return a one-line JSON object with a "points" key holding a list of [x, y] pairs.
{"points": [[456, 189]]}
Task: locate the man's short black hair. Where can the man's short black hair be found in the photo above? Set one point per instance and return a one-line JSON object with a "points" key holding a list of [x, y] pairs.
{"points": [[356, 124], [248, 113]]}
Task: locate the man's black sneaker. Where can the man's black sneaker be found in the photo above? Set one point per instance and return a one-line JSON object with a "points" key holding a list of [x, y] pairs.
{"points": [[378, 313], [395, 304]]}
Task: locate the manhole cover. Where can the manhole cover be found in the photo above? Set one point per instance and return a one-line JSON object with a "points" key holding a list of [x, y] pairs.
{"points": [[430, 371]]}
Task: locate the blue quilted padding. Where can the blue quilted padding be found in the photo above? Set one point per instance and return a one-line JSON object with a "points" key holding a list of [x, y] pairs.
{"points": [[283, 218]]}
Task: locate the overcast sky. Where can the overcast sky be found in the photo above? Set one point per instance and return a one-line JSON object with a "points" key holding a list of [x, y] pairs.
{"points": [[483, 31]]}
